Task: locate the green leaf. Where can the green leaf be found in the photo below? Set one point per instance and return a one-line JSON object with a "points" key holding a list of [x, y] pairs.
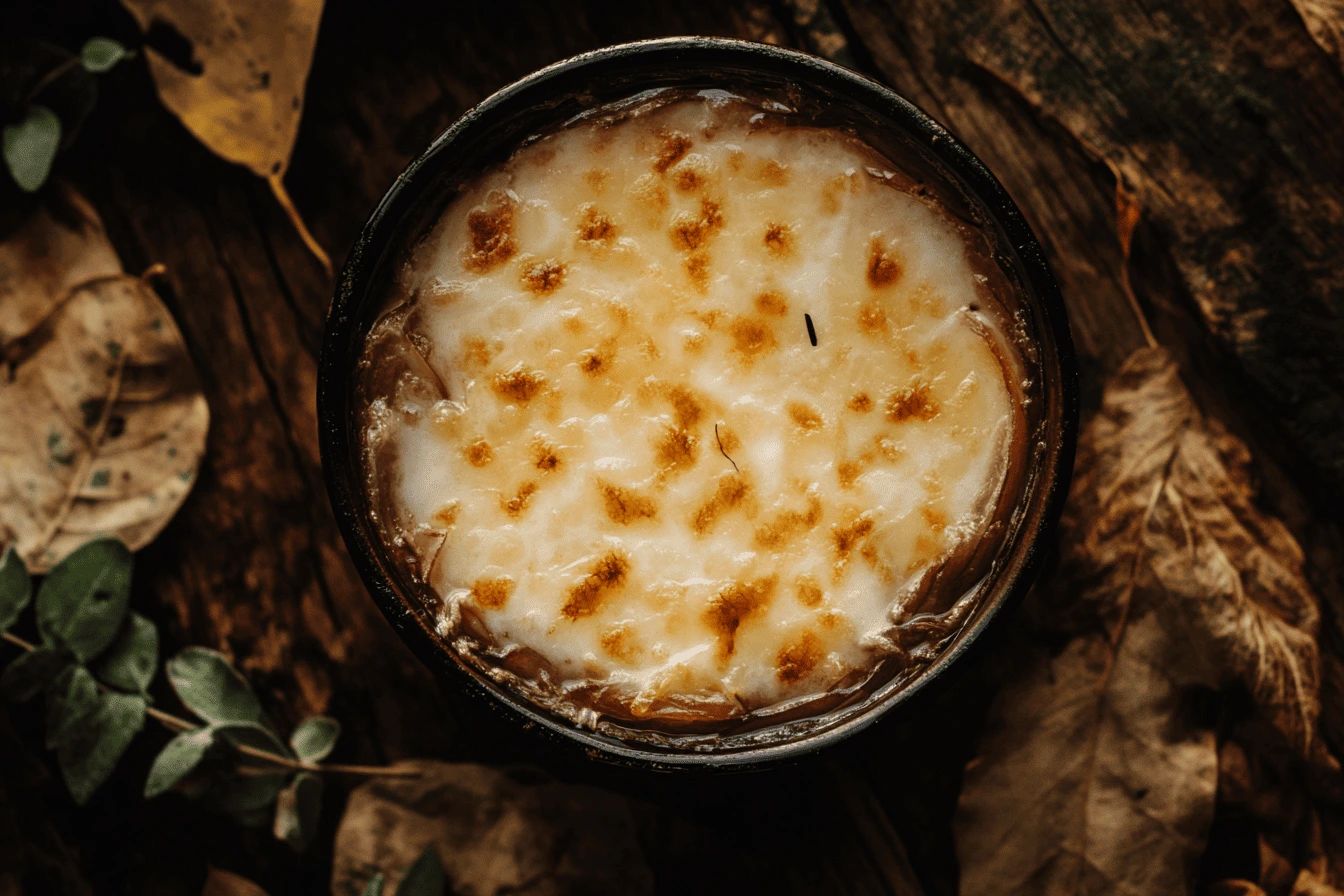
{"points": [[100, 54], [89, 755], [176, 760], [315, 737], [16, 589], [30, 147], [209, 686], [247, 798], [375, 885], [258, 737], [71, 700], [32, 672], [82, 601], [298, 809], [129, 663], [424, 877]]}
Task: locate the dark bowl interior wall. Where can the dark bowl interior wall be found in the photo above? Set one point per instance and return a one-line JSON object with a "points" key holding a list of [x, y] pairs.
{"points": [[488, 134]]}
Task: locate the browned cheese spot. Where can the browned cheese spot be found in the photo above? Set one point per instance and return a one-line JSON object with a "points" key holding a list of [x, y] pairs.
{"points": [[752, 338], [735, 604], [779, 240], [848, 536], [477, 352], [808, 592], [490, 228], [672, 145], [686, 408], [860, 403], [492, 593], [587, 597], [693, 343], [772, 303], [883, 269], [727, 438], [935, 517], [697, 269], [847, 472], [446, 515], [518, 503], [593, 362], [518, 384], [788, 525], [625, 505], [730, 492], [691, 173], [692, 230], [805, 416], [797, 660], [479, 453], [912, 402], [619, 642], [676, 449], [544, 277], [872, 319], [772, 173], [545, 457], [595, 227], [926, 551], [596, 179]]}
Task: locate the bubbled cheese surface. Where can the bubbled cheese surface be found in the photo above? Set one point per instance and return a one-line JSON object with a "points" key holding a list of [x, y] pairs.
{"points": [[644, 471]]}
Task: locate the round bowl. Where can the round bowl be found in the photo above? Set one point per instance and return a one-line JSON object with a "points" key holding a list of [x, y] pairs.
{"points": [[487, 134]]}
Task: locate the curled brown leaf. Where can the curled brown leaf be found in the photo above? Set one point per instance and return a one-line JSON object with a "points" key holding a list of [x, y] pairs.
{"points": [[1097, 771]]}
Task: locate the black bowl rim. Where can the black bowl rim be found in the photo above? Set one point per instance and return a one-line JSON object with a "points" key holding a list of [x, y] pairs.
{"points": [[369, 249]]}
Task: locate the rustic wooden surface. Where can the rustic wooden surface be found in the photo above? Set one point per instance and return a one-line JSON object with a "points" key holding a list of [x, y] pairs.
{"points": [[1222, 120]]}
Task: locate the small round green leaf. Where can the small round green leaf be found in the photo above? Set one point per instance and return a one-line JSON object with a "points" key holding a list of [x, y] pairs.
{"points": [[375, 885], [82, 601], [209, 686], [128, 665], [425, 876], [176, 760], [32, 672], [72, 698], [16, 589], [30, 147], [315, 737], [297, 811], [88, 756], [100, 54]]}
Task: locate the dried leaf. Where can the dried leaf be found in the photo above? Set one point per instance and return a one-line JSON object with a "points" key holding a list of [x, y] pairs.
{"points": [[105, 422], [245, 101], [1325, 21], [226, 883], [1097, 771], [495, 831]]}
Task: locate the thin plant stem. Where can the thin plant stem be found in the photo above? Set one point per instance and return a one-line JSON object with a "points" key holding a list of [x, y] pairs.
{"points": [[179, 725]]}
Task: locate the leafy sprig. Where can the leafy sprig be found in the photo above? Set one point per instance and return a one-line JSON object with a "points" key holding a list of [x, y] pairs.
{"points": [[30, 143], [93, 666]]}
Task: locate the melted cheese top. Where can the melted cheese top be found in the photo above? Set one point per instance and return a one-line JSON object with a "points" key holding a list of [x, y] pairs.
{"points": [[644, 472]]}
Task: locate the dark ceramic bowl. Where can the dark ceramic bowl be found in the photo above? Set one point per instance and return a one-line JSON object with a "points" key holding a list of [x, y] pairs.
{"points": [[488, 134]]}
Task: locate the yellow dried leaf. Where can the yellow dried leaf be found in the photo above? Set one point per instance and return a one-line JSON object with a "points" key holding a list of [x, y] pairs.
{"points": [[104, 420], [1097, 772], [246, 101], [1325, 21]]}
